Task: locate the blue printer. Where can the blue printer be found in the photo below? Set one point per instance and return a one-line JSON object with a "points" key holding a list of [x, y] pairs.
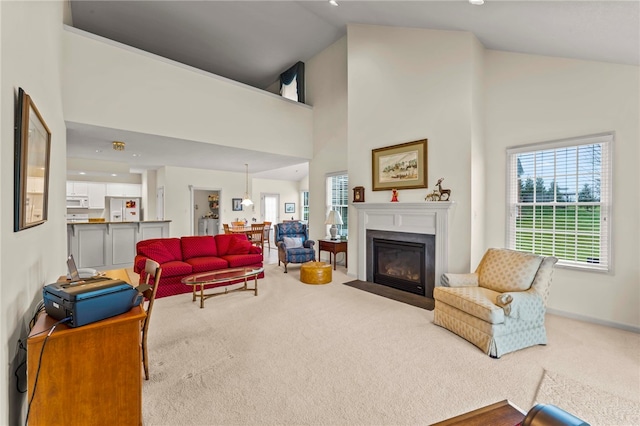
{"points": [[90, 301]]}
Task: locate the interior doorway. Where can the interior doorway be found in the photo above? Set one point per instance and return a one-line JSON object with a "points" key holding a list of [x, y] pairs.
{"points": [[205, 211]]}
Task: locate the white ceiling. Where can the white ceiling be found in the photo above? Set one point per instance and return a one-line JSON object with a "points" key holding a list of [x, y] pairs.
{"points": [[254, 41]]}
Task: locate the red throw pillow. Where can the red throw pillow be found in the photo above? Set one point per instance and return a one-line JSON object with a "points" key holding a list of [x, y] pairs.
{"points": [[156, 251], [239, 246]]}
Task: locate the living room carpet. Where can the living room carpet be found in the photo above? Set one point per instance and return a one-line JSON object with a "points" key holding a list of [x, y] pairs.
{"points": [[394, 294], [331, 355], [588, 403]]}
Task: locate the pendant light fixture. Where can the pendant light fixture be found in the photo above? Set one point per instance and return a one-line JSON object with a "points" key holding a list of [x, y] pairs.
{"points": [[246, 201]]}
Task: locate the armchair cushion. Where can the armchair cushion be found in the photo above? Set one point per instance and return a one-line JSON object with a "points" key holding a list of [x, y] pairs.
{"points": [[292, 242], [507, 270], [476, 301]]}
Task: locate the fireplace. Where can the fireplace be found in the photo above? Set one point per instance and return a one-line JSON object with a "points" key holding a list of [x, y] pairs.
{"points": [[402, 260]]}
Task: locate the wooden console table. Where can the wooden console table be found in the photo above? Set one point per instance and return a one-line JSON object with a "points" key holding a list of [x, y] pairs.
{"points": [[89, 375], [502, 413], [335, 247]]}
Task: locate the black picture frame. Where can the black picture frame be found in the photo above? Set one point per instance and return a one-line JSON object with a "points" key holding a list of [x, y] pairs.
{"points": [[289, 207], [32, 152], [236, 204]]}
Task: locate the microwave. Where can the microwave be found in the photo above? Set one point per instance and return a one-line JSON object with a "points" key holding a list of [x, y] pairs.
{"points": [[78, 202]]}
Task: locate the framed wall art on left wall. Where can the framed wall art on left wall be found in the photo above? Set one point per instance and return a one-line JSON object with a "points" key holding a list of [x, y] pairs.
{"points": [[32, 148]]}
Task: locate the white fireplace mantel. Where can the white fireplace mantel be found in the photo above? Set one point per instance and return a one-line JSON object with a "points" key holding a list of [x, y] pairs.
{"points": [[431, 217]]}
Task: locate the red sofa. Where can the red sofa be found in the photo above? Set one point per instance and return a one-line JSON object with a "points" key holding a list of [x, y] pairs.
{"points": [[179, 257]]}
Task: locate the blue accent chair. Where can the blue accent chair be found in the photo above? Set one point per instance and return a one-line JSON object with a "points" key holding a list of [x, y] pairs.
{"points": [[296, 230]]}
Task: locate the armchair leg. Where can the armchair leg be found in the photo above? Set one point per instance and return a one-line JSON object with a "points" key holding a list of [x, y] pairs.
{"points": [[285, 268]]}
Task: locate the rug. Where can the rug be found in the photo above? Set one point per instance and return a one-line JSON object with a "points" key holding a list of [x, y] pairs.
{"points": [[394, 294], [592, 405]]}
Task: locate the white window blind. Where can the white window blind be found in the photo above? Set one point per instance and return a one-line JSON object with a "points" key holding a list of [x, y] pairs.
{"points": [[559, 200], [338, 199]]}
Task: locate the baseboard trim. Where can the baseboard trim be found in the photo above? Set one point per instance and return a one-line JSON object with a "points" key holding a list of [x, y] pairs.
{"points": [[592, 320]]}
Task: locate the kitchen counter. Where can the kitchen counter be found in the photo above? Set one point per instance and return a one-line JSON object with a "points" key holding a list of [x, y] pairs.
{"points": [[110, 245], [86, 222]]}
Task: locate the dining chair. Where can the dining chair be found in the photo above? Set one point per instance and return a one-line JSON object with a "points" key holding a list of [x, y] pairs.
{"points": [[267, 234], [151, 269], [225, 226], [237, 224], [256, 235]]}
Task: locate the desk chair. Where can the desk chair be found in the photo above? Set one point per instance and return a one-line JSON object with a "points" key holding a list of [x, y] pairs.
{"points": [[151, 269]]}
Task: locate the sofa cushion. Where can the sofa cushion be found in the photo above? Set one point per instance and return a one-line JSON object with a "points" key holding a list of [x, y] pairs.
{"points": [[175, 267], [507, 270], [207, 263], [238, 260], [157, 251], [476, 301], [198, 246], [224, 240], [239, 246]]}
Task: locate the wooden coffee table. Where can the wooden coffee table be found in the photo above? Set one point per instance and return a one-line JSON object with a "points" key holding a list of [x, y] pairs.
{"points": [[223, 278]]}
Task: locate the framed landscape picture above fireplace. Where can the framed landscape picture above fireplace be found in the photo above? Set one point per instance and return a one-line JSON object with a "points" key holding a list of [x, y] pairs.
{"points": [[402, 166]]}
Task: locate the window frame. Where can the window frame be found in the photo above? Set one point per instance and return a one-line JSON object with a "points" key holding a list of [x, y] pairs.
{"points": [[513, 203], [343, 230]]}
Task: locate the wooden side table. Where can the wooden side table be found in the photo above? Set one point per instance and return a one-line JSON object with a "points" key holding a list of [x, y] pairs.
{"points": [[502, 413], [335, 247]]}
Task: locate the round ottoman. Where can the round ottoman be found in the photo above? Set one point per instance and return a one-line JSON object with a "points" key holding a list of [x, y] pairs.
{"points": [[315, 273]]}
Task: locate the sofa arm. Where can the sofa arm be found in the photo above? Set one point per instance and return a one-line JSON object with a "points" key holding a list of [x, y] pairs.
{"points": [[308, 244], [525, 305], [459, 280], [139, 263]]}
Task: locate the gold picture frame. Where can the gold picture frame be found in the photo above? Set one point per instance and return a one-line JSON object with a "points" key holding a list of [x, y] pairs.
{"points": [[402, 166], [31, 165]]}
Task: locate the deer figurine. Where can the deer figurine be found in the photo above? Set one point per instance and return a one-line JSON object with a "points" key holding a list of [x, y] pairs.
{"points": [[444, 193]]}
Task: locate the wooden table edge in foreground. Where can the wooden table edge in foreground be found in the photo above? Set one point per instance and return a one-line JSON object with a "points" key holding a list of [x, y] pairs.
{"points": [[503, 413], [88, 375], [224, 282]]}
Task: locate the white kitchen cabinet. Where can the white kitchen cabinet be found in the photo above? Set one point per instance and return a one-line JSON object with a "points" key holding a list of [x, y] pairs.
{"points": [[77, 188], [124, 190], [97, 191]]}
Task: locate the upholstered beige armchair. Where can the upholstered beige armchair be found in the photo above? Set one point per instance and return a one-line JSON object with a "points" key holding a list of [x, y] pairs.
{"points": [[500, 307]]}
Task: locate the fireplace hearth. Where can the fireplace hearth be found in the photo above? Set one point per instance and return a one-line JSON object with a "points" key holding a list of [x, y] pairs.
{"points": [[402, 260]]}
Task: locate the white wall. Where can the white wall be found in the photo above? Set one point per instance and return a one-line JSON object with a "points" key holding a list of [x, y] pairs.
{"points": [[111, 85], [410, 84], [31, 43], [289, 193], [535, 99], [326, 79], [177, 180]]}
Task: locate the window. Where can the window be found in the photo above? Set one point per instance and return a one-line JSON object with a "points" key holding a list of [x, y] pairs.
{"points": [[559, 198], [305, 206], [338, 199]]}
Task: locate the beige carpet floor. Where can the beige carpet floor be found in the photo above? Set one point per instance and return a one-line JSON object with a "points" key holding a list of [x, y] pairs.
{"points": [[334, 355], [587, 402]]}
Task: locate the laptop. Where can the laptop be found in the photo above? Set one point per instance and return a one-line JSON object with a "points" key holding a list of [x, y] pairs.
{"points": [[74, 274]]}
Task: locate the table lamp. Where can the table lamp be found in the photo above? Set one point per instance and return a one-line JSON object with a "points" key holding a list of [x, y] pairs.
{"points": [[333, 219]]}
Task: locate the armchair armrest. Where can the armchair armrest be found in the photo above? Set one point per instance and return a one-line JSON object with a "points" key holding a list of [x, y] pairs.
{"points": [[459, 280], [526, 305], [308, 244]]}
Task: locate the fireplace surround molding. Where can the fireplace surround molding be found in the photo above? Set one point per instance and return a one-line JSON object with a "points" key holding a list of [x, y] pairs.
{"points": [[431, 218]]}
